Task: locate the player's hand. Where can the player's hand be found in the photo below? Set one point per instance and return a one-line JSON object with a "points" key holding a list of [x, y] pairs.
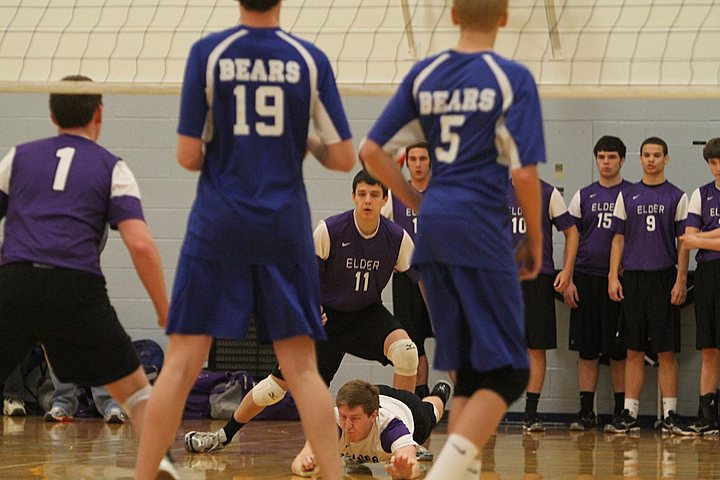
{"points": [[615, 290], [570, 295], [689, 240], [562, 281], [678, 293], [400, 467], [323, 316], [162, 316], [303, 465], [529, 256]]}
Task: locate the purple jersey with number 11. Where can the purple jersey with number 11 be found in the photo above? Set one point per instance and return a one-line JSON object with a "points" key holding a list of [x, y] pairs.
{"points": [[58, 195], [250, 94]]}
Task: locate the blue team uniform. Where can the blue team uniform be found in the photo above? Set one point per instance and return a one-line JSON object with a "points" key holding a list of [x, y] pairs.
{"points": [[481, 114], [250, 94]]}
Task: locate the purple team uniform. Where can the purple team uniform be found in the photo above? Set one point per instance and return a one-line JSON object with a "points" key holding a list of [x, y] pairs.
{"points": [[594, 324], [650, 217], [539, 294], [704, 214], [481, 114], [57, 196], [250, 94], [354, 270]]}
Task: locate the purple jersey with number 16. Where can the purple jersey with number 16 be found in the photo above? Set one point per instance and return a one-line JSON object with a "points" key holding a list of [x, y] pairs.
{"points": [[58, 195]]}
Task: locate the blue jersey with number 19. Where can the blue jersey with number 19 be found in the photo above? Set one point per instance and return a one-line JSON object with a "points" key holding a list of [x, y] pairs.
{"points": [[481, 114], [250, 94]]}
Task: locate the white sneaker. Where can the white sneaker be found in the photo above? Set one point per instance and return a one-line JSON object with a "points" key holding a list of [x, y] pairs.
{"points": [[115, 415], [205, 442], [166, 470], [14, 407], [58, 414]]}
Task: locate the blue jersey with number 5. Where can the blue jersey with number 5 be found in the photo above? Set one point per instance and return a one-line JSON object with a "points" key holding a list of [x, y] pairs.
{"points": [[250, 94], [481, 114]]}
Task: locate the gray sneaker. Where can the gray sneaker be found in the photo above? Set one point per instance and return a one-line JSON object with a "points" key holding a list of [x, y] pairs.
{"points": [[532, 423], [205, 442], [14, 407], [58, 414]]}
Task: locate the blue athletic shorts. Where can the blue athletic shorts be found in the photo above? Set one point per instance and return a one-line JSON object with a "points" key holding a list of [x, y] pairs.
{"points": [[477, 317], [217, 298]]}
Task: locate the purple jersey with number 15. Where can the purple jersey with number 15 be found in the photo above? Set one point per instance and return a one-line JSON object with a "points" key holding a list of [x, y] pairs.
{"points": [[57, 196]]}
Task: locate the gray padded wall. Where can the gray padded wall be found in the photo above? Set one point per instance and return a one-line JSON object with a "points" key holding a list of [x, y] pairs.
{"points": [[141, 130]]}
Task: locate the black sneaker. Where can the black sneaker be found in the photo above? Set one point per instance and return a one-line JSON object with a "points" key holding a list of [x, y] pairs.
{"points": [[701, 426], [532, 423], [583, 421], [671, 423], [443, 390], [623, 423]]}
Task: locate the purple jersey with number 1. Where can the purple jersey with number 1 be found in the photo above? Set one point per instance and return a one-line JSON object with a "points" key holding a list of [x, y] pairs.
{"points": [[553, 212], [401, 214], [592, 208], [650, 217], [58, 195]]}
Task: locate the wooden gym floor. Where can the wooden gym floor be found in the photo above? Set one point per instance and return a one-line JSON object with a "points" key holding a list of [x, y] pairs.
{"points": [[89, 449]]}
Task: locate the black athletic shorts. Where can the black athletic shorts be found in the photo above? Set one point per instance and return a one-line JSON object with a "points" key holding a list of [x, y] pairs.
{"points": [[69, 312], [650, 322], [360, 333], [594, 324], [539, 297], [410, 310], [423, 413], [707, 305]]}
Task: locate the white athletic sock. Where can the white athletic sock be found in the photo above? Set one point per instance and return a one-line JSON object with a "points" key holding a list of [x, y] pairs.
{"points": [[633, 405], [669, 404], [456, 456], [473, 471]]}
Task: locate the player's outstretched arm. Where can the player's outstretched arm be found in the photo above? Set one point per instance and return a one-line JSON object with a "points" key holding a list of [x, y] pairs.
{"points": [[338, 156], [383, 167], [304, 462], [190, 153], [146, 259], [527, 190], [403, 464], [616, 252]]}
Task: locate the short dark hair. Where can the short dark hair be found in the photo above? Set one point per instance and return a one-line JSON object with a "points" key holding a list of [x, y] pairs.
{"points": [[359, 392], [72, 110], [365, 177], [608, 143], [655, 141], [259, 5], [712, 149]]}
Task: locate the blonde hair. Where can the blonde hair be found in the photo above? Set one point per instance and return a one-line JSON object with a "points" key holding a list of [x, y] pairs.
{"points": [[482, 15]]}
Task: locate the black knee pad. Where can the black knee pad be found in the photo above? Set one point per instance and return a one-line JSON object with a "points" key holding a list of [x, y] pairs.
{"points": [[506, 382]]}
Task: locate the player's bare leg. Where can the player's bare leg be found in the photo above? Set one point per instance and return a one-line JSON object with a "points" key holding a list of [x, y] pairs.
{"points": [[299, 363], [185, 357], [122, 390]]}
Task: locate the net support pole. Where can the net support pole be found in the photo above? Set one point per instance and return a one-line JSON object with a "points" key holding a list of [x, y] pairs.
{"points": [[409, 33], [553, 32]]}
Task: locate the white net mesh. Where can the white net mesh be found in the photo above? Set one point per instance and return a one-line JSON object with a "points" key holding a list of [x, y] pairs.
{"points": [[605, 44]]}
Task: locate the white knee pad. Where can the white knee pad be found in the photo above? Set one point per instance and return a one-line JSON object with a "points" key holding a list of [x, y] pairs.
{"points": [[267, 392], [403, 354], [140, 395]]}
